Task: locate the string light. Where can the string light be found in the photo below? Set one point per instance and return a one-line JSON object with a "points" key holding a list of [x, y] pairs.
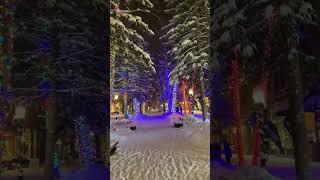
{"points": [[55, 160], [174, 96], [257, 143], [136, 105], [45, 83], [236, 105], [184, 96], [265, 85], [87, 153], [6, 54]]}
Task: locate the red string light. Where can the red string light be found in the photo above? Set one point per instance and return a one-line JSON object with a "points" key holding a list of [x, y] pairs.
{"points": [[184, 96], [236, 105], [257, 144], [265, 84]]}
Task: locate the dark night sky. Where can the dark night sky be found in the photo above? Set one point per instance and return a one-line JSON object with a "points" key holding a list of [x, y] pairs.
{"points": [[156, 22]]}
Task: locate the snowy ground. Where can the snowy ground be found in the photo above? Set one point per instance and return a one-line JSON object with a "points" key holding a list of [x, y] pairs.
{"points": [[158, 151]]}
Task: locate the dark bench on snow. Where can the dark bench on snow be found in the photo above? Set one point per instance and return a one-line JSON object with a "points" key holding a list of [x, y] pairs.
{"points": [[178, 124]]}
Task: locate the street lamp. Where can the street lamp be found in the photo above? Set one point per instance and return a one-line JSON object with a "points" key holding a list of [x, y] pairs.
{"points": [[116, 97], [258, 96], [191, 91]]}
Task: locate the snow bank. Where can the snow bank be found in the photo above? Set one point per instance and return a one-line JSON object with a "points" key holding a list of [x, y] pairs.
{"points": [[138, 116], [120, 123], [116, 137], [190, 120], [174, 118]]}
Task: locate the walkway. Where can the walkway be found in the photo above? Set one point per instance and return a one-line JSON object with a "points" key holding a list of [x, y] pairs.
{"points": [[158, 151]]}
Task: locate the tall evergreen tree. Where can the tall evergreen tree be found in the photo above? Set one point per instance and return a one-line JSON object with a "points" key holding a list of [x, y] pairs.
{"points": [[188, 35]]}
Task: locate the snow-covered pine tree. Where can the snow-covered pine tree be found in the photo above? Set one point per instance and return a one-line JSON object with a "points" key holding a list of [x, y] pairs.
{"points": [[76, 56], [133, 79], [188, 35], [126, 32], [244, 25], [288, 17], [131, 64]]}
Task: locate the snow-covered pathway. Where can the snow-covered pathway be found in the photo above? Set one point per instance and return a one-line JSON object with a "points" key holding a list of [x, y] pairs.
{"points": [[158, 151]]}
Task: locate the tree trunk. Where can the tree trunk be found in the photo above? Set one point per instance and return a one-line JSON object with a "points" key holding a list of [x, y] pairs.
{"points": [[105, 147], [296, 115], [97, 145], [50, 138], [184, 96], [215, 88], [164, 107], [140, 108], [125, 106], [174, 96], [136, 106], [236, 108], [202, 99]]}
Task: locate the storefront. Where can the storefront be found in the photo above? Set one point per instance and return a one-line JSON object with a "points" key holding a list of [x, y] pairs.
{"points": [[7, 146]]}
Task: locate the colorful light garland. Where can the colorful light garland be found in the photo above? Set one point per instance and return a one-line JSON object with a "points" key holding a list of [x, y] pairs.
{"points": [[236, 104]]}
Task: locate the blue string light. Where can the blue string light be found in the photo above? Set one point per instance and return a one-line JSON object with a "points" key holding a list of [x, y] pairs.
{"points": [[174, 96], [87, 153], [45, 88], [44, 44], [136, 106], [2, 118]]}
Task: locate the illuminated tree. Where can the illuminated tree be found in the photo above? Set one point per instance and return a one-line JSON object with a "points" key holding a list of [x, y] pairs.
{"points": [[188, 35]]}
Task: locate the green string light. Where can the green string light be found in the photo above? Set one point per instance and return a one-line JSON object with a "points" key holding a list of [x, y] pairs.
{"points": [[56, 160]]}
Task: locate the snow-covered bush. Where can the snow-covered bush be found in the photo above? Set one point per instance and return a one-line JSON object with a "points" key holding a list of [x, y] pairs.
{"points": [[175, 118], [132, 124], [121, 123]]}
